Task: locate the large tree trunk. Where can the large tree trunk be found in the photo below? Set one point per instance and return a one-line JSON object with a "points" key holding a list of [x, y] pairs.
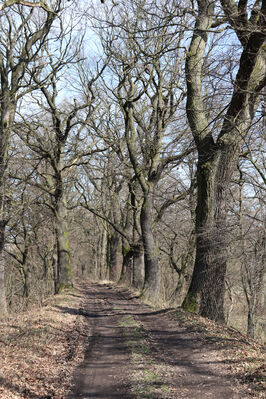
{"points": [[3, 304], [63, 275], [98, 259], [6, 120], [152, 281], [253, 270], [126, 272], [103, 272], [114, 259], [54, 265], [26, 289], [206, 292], [251, 321], [217, 156], [133, 267], [138, 276]]}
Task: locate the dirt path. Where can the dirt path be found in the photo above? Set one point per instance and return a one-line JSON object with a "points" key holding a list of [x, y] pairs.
{"points": [[103, 372], [134, 351]]}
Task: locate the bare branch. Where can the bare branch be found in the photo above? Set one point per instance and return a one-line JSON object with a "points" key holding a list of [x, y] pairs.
{"points": [[40, 4]]}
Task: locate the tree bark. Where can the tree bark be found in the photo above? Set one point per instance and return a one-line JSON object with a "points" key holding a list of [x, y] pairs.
{"points": [[13, 66], [63, 272], [6, 120], [103, 254], [126, 272], [3, 304], [138, 277], [206, 291], [216, 160], [152, 282], [152, 273], [25, 279], [114, 264]]}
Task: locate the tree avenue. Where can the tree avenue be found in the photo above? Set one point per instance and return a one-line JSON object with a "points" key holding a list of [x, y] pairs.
{"points": [[132, 149]]}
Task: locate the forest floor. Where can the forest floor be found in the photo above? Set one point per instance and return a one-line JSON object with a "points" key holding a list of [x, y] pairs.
{"points": [[100, 341]]}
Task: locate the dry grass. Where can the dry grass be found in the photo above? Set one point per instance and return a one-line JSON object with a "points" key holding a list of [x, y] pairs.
{"points": [[40, 348], [244, 357]]}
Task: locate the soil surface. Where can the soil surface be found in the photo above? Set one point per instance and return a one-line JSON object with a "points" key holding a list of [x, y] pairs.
{"points": [[135, 351]]}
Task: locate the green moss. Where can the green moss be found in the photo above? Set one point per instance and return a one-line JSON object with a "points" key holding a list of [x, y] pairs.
{"points": [[66, 241], [156, 252], [64, 286], [126, 249], [190, 304], [68, 267]]}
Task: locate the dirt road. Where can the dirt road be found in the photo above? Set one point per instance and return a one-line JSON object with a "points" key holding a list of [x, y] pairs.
{"points": [[134, 351]]}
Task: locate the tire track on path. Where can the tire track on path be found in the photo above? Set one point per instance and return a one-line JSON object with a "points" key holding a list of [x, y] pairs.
{"points": [[189, 368], [103, 373]]}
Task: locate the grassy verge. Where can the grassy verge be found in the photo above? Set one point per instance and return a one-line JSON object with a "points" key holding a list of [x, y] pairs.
{"points": [[40, 348]]}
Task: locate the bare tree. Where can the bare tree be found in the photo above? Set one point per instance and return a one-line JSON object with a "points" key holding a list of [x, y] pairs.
{"points": [[218, 151], [146, 63], [58, 140], [22, 37]]}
